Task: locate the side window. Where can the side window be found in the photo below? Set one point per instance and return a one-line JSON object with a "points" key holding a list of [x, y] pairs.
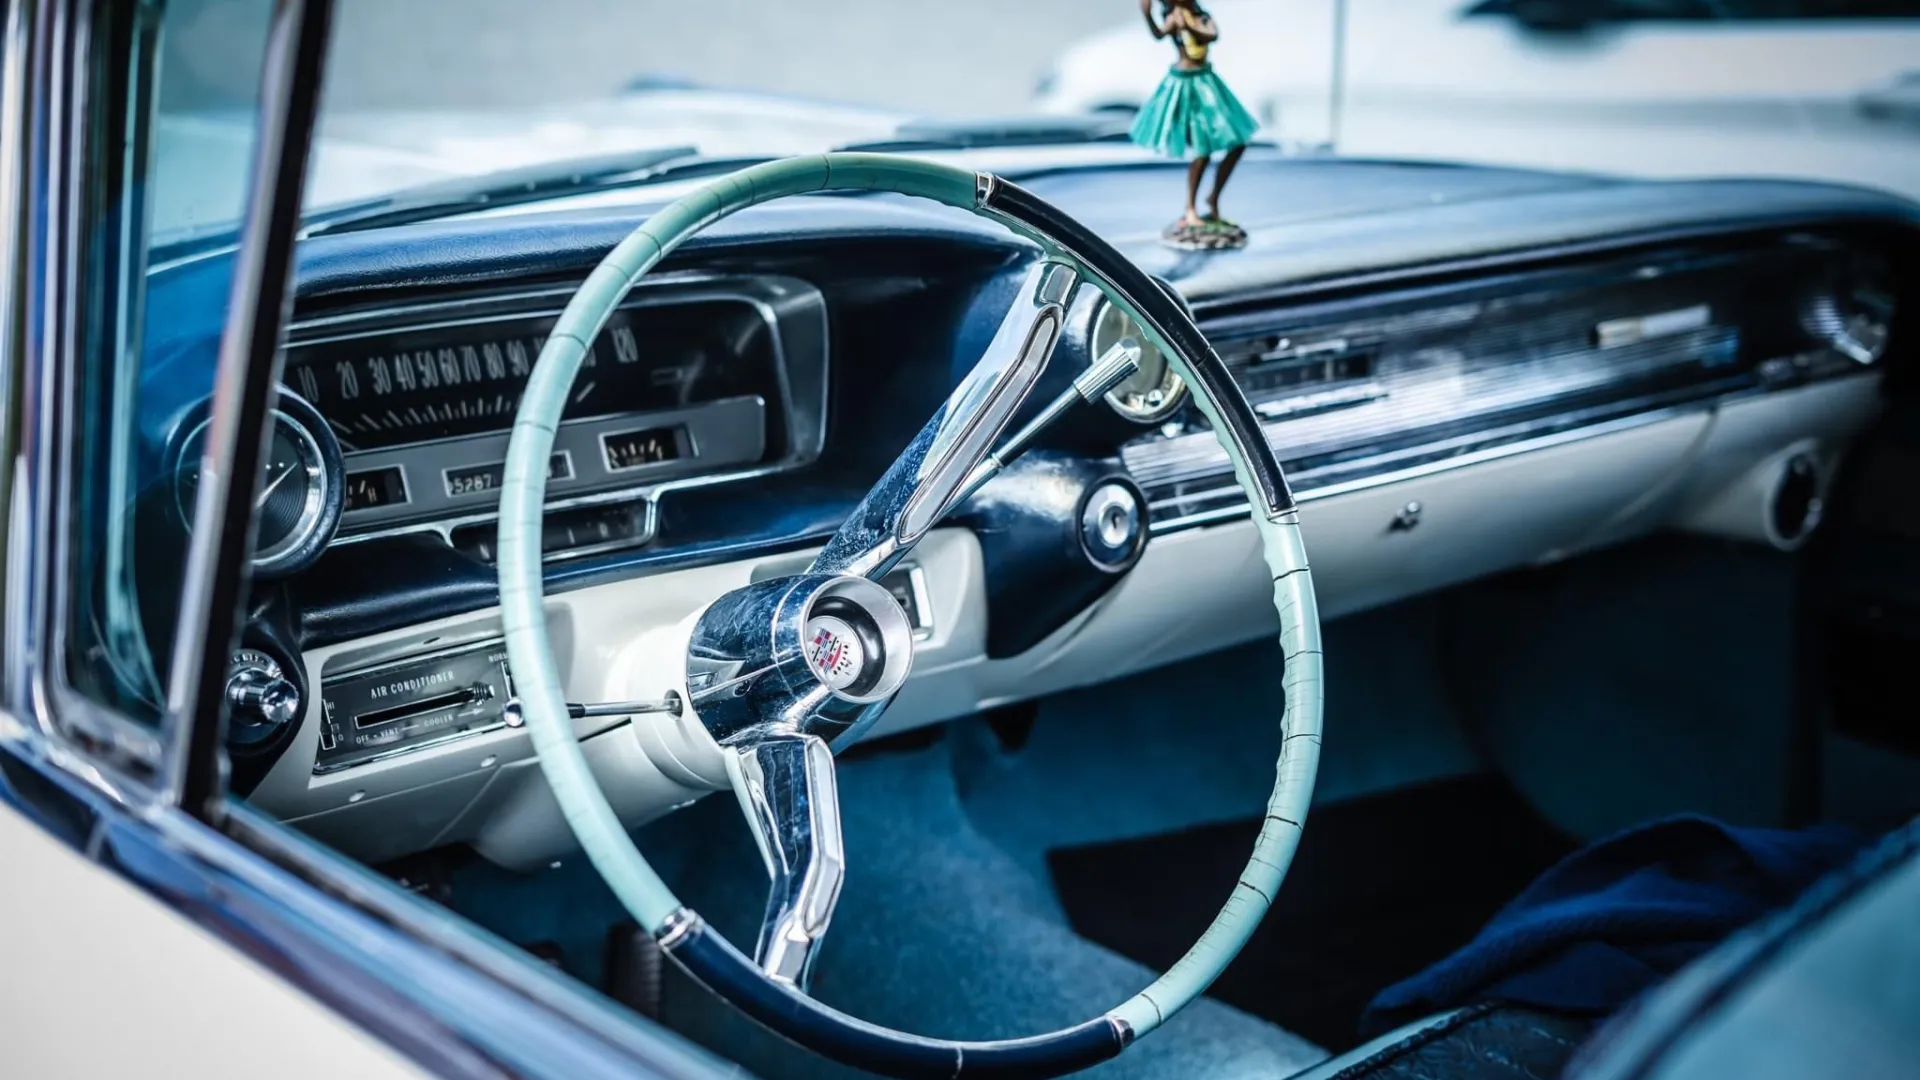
{"points": [[171, 131]]}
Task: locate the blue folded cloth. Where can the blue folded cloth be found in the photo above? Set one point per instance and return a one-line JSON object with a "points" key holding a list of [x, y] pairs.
{"points": [[1615, 917]]}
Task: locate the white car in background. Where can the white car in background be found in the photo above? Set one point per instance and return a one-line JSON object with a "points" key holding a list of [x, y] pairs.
{"points": [[1822, 89]]}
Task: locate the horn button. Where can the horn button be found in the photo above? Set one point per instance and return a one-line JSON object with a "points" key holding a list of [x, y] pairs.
{"points": [[815, 654]]}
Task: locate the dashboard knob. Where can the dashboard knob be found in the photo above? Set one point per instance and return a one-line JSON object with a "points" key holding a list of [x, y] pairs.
{"points": [[261, 697], [1113, 526]]}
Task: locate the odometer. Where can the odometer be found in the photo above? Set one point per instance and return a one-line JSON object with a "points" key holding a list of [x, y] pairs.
{"points": [[480, 479]]}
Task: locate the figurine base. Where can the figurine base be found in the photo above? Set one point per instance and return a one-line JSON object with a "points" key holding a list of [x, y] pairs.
{"points": [[1212, 235]]}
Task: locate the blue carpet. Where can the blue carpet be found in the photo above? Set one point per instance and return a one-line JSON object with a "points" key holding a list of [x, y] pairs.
{"points": [[1193, 743], [1653, 681]]}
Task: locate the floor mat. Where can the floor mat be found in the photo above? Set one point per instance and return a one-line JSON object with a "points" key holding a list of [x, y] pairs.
{"points": [[1381, 887]]}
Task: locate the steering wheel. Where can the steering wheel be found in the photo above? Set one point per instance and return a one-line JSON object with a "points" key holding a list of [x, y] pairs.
{"points": [[780, 673]]}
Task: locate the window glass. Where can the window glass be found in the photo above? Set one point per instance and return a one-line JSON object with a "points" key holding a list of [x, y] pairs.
{"points": [[173, 123]]}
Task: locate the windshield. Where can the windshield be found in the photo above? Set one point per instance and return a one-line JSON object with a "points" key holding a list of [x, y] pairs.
{"points": [[417, 93]]}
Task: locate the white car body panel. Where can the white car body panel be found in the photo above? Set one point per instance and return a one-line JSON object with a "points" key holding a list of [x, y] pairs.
{"points": [[1777, 97], [103, 980]]}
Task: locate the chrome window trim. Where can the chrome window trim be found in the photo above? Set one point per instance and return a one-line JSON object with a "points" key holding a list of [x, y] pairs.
{"points": [[785, 305], [145, 769], [112, 754], [16, 490]]}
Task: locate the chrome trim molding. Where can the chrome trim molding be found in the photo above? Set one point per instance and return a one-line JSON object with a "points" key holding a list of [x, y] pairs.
{"points": [[16, 482], [246, 381], [922, 600], [1306, 492], [678, 927], [983, 185], [786, 787], [319, 487], [110, 753]]}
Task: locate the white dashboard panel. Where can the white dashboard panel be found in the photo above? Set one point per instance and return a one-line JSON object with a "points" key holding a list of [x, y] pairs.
{"points": [[1729, 492], [1194, 591]]}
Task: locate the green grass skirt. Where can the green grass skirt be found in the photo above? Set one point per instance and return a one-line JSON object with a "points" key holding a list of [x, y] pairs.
{"points": [[1193, 114]]}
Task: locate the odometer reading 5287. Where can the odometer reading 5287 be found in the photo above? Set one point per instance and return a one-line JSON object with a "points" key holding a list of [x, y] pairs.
{"points": [[480, 479]]}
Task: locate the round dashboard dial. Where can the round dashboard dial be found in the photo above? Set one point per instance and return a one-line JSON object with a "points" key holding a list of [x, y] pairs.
{"points": [[1150, 394], [298, 502]]}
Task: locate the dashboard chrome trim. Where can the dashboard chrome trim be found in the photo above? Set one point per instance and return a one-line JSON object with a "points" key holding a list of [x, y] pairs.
{"points": [[1308, 491], [793, 310], [1475, 444]]}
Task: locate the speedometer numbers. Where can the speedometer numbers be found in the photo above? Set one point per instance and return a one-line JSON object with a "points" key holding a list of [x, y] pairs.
{"points": [[386, 390]]}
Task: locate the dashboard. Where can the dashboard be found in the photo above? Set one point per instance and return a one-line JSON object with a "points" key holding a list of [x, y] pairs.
{"points": [[1463, 371]]}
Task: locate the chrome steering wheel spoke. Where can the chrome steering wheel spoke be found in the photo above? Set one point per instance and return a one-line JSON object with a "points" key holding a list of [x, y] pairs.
{"points": [[932, 475], [786, 787], [780, 668]]}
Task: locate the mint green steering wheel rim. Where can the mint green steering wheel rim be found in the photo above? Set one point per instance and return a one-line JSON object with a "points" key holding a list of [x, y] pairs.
{"points": [[537, 678]]}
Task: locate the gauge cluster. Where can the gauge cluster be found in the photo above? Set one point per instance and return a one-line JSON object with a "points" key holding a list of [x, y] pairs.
{"points": [[397, 419]]}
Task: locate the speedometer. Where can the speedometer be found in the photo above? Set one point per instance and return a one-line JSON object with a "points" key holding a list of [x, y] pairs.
{"points": [[298, 501]]}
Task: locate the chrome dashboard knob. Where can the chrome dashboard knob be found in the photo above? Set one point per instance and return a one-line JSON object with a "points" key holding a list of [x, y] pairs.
{"points": [[260, 696], [1113, 526]]}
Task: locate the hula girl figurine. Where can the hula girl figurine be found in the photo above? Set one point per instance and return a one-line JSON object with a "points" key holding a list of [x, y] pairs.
{"points": [[1193, 113]]}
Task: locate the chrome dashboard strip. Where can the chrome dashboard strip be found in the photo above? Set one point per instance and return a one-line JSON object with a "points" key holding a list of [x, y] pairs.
{"points": [[1309, 493]]}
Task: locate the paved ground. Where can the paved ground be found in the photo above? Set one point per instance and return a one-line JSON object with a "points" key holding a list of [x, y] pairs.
{"points": [[932, 56]]}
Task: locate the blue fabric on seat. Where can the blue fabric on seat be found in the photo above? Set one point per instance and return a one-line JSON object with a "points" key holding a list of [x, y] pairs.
{"points": [[1619, 915]]}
